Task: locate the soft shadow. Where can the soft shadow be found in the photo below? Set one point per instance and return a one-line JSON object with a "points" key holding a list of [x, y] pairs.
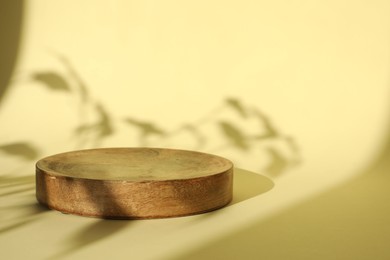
{"points": [[247, 185], [231, 119], [24, 150], [33, 211], [19, 190], [11, 12], [16, 188], [92, 233], [351, 221]]}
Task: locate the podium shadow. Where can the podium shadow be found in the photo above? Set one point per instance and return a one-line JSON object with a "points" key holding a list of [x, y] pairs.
{"points": [[247, 184]]}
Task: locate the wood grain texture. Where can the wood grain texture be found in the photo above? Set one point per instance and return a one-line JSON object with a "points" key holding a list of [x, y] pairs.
{"points": [[134, 183]]}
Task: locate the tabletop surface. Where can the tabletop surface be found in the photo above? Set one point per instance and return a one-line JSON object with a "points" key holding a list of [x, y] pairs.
{"points": [[352, 220]]}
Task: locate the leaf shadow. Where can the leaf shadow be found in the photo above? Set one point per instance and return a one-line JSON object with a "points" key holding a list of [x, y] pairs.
{"points": [[98, 130], [51, 80], [237, 105], [146, 129], [235, 135], [24, 150]]}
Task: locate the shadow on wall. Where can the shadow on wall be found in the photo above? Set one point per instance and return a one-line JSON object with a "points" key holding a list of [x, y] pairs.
{"points": [[18, 191], [228, 121], [10, 31]]}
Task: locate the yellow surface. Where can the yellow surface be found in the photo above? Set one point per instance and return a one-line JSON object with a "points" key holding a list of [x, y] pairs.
{"points": [[47, 234], [308, 79], [350, 221]]}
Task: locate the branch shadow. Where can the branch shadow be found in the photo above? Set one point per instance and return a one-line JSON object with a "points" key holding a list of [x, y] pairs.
{"points": [[21, 209], [20, 191]]}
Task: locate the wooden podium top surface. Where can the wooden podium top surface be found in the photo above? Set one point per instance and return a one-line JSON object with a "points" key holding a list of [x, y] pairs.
{"points": [[134, 164]]}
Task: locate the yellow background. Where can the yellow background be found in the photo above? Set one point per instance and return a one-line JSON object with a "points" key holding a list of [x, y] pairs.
{"points": [[318, 69]]}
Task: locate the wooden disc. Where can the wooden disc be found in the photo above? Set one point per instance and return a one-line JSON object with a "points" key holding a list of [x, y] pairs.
{"points": [[134, 183]]}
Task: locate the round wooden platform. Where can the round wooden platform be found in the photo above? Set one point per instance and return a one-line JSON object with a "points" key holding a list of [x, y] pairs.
{"points": [[134, 183]]}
